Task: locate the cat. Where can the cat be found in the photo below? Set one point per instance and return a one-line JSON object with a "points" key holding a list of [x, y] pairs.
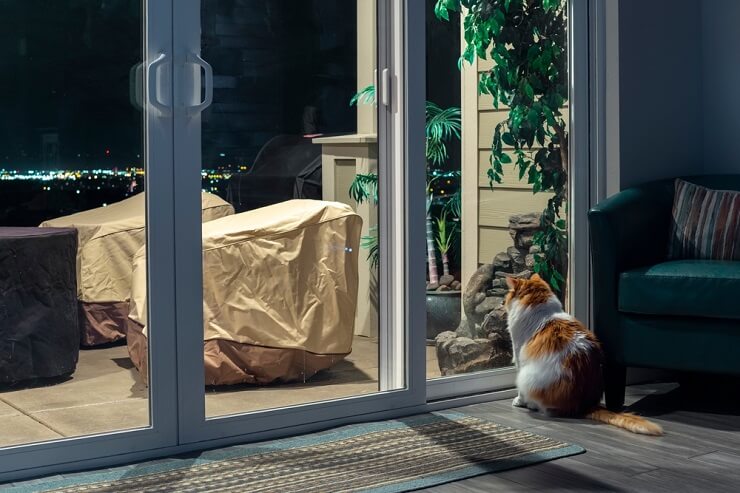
{"points": [[559, 359]]}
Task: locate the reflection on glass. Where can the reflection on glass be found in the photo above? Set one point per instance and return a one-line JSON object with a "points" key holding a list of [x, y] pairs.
{"points": [[71, 217], [496, 172], [290, 279]]}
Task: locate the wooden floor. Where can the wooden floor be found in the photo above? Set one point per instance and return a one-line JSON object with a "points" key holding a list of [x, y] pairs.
{"points": [[700, 451]]}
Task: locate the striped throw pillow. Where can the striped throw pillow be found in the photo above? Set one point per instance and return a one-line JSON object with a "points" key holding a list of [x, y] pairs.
{"points": [[705, 223]]}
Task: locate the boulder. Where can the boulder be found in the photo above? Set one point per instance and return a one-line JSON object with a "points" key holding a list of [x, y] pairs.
{"points": [[443, 288], [456, 285], [495, 322], [522, 228], [521, 222], [530, 260], [465, 329], [474, 293], [524, 239], [457, 355], [525, 274], [453, 351], [501, 342], [431, 286], [517, 258], [446, 280], [489, 304], [502, 263], [499, 282], [500, 292]]}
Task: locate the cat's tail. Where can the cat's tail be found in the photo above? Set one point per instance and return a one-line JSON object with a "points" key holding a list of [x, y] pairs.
{"points": [[626, 421]]}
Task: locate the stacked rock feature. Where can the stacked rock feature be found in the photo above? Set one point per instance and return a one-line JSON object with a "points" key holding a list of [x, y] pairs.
{"points": [[482, 340]]}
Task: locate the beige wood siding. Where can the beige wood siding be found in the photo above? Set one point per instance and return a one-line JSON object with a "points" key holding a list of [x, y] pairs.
{"points": [[491, 208]]}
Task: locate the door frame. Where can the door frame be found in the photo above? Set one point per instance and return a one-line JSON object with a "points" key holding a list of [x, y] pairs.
{"points": [[170, 367], [582, 16], [88, 451]]}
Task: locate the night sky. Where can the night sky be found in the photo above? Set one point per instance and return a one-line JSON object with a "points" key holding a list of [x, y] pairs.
{"points": [[64, 92]]}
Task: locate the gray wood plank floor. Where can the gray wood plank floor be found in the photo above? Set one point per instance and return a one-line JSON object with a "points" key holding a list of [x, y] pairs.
{"points": [[699, 453]]}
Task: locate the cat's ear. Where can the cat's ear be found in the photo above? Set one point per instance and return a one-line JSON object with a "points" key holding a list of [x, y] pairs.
{"points": [[535, 277], [512, 282]]}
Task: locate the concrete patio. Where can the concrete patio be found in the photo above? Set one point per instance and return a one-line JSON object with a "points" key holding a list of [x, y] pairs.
{"points": [[106, 394]]}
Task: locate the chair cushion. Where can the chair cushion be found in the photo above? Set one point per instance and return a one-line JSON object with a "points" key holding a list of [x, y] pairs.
{"points": [[705, 223], [696, 288]]}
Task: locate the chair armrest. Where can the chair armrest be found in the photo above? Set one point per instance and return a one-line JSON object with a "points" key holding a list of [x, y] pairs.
{"points": [[628, 230]]}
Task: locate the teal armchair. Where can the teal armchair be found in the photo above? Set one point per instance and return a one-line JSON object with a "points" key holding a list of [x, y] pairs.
{"points": [[653, 312]]}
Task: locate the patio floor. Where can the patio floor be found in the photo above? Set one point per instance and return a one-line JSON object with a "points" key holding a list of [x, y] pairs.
{"points": [[106, 394]]}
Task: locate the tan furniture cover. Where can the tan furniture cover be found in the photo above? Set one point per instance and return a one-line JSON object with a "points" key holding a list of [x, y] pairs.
{"points": [[108, 238], [279, 292]]}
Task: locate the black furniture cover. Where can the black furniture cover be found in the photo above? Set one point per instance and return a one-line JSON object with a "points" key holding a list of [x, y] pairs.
{"points": [[39, 332]]}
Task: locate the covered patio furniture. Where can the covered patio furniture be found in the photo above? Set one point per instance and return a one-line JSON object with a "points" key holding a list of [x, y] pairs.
{"points": [[39, 332], [279, 293], [108, 239]]}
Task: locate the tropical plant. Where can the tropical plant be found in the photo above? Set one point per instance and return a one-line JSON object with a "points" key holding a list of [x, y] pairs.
{"points": [[442, 126], [445, 238], [526, 40], [370, 243], [364, 187]]}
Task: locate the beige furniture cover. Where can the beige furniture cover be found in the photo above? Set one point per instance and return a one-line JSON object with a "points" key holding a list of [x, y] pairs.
{"points": [[108, 238], [279, 292]]}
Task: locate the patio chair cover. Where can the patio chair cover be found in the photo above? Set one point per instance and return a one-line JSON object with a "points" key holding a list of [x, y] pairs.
{"points": [[108, 238], [39, 333], [279, 292]]}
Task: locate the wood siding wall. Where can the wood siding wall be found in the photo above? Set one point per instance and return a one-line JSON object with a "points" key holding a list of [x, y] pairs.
{"points": [[487, 211]]}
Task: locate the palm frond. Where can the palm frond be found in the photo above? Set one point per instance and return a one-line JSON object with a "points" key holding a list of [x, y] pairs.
{"points": [[453, 206], [364, 187], [370, 243], [364, 96], [442, 125]]}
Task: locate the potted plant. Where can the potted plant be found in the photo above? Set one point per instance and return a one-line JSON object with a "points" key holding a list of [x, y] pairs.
{"points": [[443, 211]]}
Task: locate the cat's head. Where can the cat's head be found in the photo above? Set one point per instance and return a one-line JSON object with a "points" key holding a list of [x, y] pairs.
{"points": [[528, 292]]}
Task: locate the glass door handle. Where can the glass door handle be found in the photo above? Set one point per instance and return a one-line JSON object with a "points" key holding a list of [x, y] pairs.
{"points": [[385, 87], [208, 81], [153, 84]]}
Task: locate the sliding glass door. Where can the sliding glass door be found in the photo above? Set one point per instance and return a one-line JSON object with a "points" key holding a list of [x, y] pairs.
{"points": [[239, 223], [284, 122], [504, 197], [85, 181]]}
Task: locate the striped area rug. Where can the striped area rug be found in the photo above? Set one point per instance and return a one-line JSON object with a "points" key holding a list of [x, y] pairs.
{"points": [[384, 457]]}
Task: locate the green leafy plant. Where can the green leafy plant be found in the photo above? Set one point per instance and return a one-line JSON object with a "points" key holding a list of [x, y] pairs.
{"points": [[370, 243], [442, 126], [445, 239], [526, 40], [364, 96], [364, 187]]}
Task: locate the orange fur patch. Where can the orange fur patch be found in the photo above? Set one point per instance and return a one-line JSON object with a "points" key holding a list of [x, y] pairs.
{"points": [[532, 291], [580, 387], [626, 421]]}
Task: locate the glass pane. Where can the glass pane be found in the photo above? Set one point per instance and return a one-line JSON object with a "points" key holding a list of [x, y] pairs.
{"points": [[289, 146], [71, 217], [497, 171]]}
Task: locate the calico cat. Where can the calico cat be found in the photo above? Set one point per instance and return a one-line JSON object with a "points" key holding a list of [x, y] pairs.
{"points": [[559, 359]]}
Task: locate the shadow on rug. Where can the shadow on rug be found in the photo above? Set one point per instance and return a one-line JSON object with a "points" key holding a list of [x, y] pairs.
{"points": [[382, 457]]}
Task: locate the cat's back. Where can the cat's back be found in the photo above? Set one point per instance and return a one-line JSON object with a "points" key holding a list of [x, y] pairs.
{"points": [[564, 366], [564, 336]]}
